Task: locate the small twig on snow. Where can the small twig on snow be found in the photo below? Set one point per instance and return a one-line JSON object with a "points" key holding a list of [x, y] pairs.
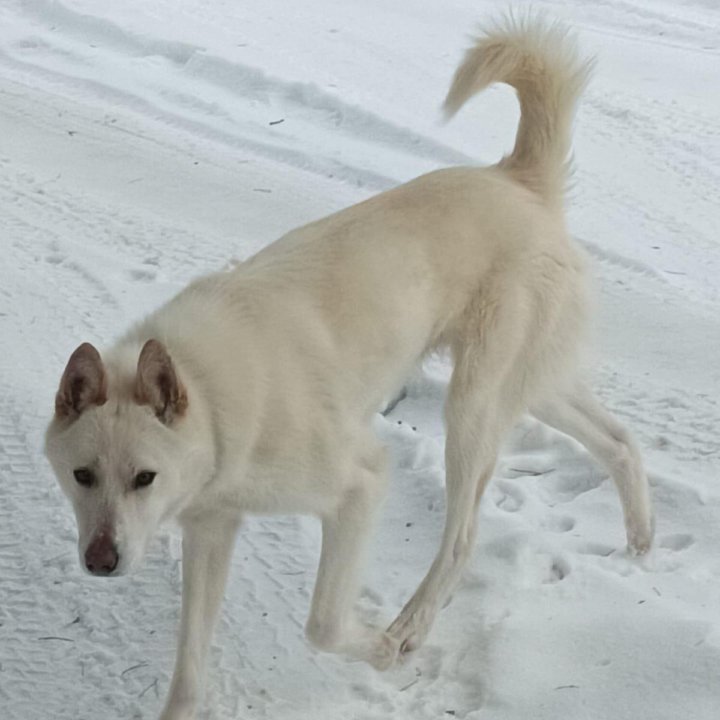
{"points": [[153, 684], [133, 667]]}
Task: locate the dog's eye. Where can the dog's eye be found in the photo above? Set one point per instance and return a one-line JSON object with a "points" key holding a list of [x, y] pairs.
{"points": [[84, 477], [143, 479]]}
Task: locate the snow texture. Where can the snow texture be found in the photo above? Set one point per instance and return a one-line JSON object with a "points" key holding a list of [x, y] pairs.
{"points": [[144, 143]]}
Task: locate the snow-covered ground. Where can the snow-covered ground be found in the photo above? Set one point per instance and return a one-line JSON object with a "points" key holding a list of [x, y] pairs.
{"points": [[143, 143]]}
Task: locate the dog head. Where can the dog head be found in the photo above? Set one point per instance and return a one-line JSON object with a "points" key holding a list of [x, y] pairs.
{"points": [[127, 449]]}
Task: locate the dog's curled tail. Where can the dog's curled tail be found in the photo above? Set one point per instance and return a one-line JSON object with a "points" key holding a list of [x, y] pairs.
{"points": [[540, 60]]}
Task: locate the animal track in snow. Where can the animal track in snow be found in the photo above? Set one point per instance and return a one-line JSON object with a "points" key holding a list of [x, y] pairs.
{"points": [[559, 570], [505, 547], [676, 541], [142, 275], [569, 486], [508, 498], [559, 523], [593, 548]]}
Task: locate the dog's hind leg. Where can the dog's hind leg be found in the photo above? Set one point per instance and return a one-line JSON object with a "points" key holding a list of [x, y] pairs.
{"points": [[481, 406], [580, 415], [333, 625]]}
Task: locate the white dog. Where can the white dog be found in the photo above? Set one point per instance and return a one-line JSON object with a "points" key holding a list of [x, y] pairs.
{"points": [[253, 390]]}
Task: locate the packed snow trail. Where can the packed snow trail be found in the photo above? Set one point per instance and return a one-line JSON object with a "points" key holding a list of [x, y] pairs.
{"points": [[141, 145]]}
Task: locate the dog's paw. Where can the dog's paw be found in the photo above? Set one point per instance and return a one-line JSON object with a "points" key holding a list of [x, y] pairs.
{"points": [[640, 537], [637, 548], [358, 642], [411, 627], [385, 652]]}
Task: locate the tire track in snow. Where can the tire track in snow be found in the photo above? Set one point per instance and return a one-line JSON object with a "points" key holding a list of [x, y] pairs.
{"points": [[245, 80], [671, 421], [681, 154], [57, 216], [623, 262], [243, 89], [31, 599], [683, 142], [61, 276], [622, 18], [153, 108], [58, 238]]}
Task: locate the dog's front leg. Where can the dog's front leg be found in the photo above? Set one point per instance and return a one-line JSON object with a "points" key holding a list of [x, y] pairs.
{"points": [[208, 542]]}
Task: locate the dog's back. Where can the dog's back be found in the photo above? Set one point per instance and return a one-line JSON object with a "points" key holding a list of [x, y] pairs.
{"points": [[421, 265]]}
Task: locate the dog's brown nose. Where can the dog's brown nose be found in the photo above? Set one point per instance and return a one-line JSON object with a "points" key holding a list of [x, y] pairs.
{"points": [[101, 556]]}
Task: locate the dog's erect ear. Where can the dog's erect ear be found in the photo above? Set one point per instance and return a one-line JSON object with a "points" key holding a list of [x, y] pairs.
{"points": [[83, 383], [157, 383]]}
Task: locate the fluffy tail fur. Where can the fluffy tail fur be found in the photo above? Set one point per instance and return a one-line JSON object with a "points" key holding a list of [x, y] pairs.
{"points": [[541, 62]]}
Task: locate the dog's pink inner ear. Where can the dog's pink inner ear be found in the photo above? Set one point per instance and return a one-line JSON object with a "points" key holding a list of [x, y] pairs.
{"points": [[84, 383], [157, 383]]}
